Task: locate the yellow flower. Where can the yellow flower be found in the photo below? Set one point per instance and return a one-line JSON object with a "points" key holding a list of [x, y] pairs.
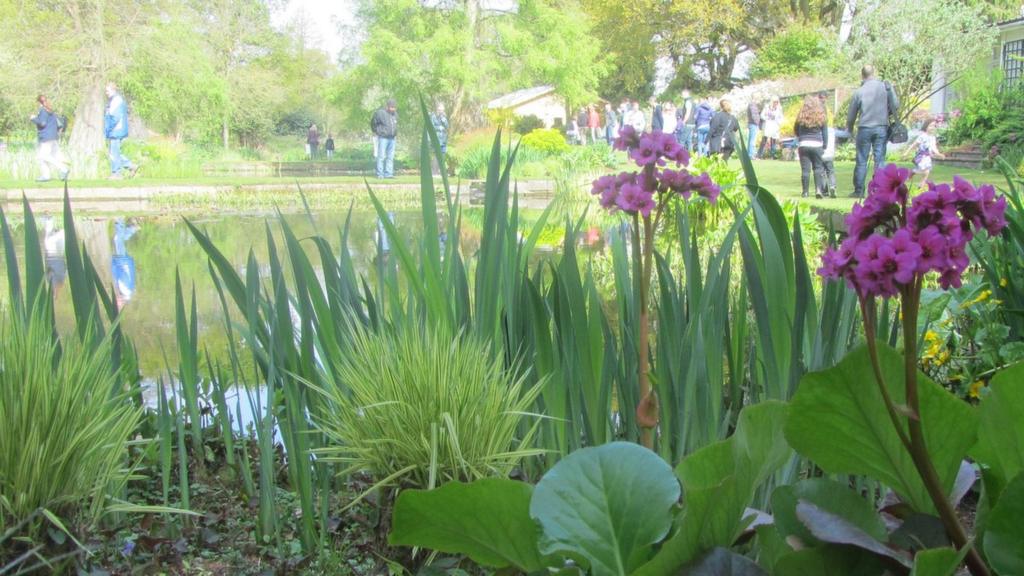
{"points": [[931, 337], [1003, 282], [980, 298], [942, 358], [975, 389]]}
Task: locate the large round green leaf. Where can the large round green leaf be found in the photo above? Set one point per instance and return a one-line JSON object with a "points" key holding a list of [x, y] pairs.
{"points": [[606, 506], [487, 520], [838, 419], [1004, 538]]}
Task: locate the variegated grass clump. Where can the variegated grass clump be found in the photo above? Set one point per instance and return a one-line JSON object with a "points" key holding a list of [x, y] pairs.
{"points": [[417, 409]]}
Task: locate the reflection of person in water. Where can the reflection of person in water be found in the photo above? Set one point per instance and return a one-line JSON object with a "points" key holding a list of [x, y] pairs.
{"points": [[53, 249], [122, 265]]}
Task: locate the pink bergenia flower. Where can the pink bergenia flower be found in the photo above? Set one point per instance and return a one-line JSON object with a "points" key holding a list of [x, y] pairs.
{"points": [[891, 245], [628, 138]]}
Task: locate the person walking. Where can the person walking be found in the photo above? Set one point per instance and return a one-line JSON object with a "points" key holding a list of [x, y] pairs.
{"points": [[115, 129], [593, 123], [924, 148], [636, 117], [657, 117], [773, 118], [439, 120], [685, 122], [581, 126], [874, 102], [668, 118], [721, 131], [611, 124], [48, 128], [828, 156], [313, 139], [329, 147], [384, 125], [753, 124], [702, 120], [811, 130]]}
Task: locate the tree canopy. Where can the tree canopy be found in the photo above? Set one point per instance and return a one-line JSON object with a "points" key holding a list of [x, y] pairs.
{"points": [[463, 52], [920, 45]]}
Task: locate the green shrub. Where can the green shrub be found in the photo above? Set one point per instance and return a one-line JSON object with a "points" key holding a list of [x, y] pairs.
{"points": [[797, 50], [547, 140], [419, 408], [526, 124], [989, 113], [63, 426]]}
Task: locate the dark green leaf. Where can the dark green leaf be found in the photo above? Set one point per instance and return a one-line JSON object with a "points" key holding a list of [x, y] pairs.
{"points": [[828, 495], [835, 529], [487, 520], [1004, 536]]}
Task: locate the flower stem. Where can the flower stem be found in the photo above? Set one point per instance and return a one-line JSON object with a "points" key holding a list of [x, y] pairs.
{"points": [[918, 446], [647, 407]]}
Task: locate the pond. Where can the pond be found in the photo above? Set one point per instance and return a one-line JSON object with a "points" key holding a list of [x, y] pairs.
{"points": [[139, 256]]}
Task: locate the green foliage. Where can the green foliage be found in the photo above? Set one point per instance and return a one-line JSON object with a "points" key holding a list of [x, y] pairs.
{"points": [[449, 519], [907, 40], [461, 54], [1002, 258], [630, 495], [796, 50], [526, 124], [62, 446], [838, 419], [631, 498], [991, 113], [548, 140], [440, 409], [1004, 539], [176, 98], [720, 482]]}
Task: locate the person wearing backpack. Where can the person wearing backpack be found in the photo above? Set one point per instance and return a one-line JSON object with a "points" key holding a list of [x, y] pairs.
{"points": [[49, 125], [115, 129]]}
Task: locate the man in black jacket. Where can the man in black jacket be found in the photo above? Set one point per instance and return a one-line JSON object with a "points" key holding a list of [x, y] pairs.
{"points": [[384, 125]]}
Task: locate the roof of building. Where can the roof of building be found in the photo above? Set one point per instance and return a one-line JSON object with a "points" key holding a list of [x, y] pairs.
{"points": [[520, 97], [1011, 23]]}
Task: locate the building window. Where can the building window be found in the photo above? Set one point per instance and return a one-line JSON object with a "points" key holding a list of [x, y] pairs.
{"points": [[1013, 61]]}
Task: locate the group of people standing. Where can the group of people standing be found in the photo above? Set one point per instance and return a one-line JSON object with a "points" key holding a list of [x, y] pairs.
{"points": [[703, 126], [313, 144]]}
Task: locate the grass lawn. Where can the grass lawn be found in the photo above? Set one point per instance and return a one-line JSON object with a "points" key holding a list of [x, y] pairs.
{"points": [[783, 180]]}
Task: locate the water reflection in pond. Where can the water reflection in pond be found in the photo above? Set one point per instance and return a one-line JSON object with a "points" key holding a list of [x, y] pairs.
{"points": [[138, 257]]}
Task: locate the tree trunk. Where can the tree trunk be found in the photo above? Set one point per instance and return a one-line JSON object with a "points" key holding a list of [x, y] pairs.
{"points": [[86, 137], [226, 133]]}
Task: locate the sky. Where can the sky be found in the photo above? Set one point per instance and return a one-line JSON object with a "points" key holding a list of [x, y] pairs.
{"points": [[322, 18]]}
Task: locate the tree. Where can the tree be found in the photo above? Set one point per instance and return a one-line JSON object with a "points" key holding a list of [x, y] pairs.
{"points": [[920, 45], [461, 52], [71, 49], [625, 33], [797, 50], [173, 81]]}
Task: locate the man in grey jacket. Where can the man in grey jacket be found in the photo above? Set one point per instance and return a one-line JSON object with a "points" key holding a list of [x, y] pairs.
{"points": [[875, 102], [384, 125]]}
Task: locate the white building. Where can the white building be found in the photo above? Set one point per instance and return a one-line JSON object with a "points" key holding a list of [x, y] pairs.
{"points": [[539, 101]]}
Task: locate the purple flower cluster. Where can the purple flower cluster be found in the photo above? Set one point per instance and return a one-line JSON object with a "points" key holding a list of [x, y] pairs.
{"points": [[891, 244], [638, 192]]}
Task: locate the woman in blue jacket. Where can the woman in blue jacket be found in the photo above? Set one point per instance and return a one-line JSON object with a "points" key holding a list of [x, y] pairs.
{"points": [[115, 128], [48, 129]]}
